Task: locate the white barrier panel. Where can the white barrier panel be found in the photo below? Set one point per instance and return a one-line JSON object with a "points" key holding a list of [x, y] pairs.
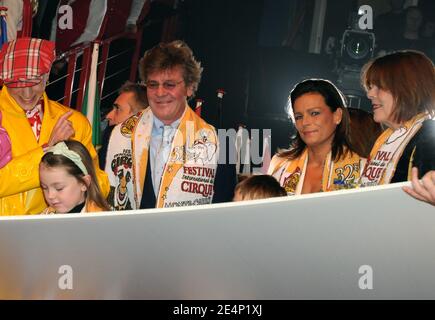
{"points": [[373, 243]]}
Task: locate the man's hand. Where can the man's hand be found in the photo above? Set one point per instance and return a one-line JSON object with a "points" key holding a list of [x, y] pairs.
{"points": [[63, 130], [424, 190]]}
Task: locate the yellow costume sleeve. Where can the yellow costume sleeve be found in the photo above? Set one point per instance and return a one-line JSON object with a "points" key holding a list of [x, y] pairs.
{"points": [[21, 173]]}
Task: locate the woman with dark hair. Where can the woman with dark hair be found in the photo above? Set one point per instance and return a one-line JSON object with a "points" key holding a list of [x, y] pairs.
{"points": [[321, 155], [401, 87]]}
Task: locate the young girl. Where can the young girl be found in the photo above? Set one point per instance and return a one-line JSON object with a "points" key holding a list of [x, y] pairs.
{"points": [[68, 180]]}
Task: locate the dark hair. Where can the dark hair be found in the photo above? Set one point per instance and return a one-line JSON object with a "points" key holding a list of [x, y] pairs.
{"points": [[139, 92], [259, 187], [363, 131], [166, 56], [334, 99], [410, 77], [93, 192]]}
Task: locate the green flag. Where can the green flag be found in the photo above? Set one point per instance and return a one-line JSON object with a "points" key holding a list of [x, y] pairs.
{"points": [[96, 116], [91, 100]]}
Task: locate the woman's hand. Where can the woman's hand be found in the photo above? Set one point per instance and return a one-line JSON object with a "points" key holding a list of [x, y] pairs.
{"points": [[424, 190]]}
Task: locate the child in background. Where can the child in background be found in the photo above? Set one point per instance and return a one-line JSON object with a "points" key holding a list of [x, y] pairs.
{"points": [[258, 187], [68, 180]]}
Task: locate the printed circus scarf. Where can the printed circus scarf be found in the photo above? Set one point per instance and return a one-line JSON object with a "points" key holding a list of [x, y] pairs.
{"points": [[341, 174], [387, 151], [189, 174]]}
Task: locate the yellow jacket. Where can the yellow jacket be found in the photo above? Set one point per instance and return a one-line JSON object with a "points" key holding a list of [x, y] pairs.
{"points": [[20, 191]]}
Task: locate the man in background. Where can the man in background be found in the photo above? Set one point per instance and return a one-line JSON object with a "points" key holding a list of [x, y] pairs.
{"points": [[132, 98]]}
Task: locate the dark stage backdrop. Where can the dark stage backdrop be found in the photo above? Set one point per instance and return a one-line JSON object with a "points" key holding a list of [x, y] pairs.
{"points": [[229, 38]]}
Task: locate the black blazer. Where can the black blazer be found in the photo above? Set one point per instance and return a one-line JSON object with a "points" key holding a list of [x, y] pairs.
{"points": [[224, 183], [102, 153], [424, 155]]}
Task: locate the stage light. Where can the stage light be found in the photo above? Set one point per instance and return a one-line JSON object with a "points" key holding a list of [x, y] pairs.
{"points": [[357, 47]]}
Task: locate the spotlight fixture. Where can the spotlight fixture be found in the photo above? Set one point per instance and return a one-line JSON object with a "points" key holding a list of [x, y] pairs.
{"points": [[357, 47]]}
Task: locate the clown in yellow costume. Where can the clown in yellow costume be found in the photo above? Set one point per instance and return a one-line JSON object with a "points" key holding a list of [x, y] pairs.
{"points": [[33, 122]]}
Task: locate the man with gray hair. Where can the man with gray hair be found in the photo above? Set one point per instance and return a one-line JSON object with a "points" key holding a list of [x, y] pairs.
{"points": [[166, 156]]}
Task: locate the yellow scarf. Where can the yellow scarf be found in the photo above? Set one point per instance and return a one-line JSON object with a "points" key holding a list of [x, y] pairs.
{"points": [[341, 174], [387, 151]]}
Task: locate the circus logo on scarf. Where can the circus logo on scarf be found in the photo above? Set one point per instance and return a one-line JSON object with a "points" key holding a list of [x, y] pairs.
{"points": [[291, 182], [121, 167], [178, 154], [203, 150], [347, 177], [128, 125]]}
